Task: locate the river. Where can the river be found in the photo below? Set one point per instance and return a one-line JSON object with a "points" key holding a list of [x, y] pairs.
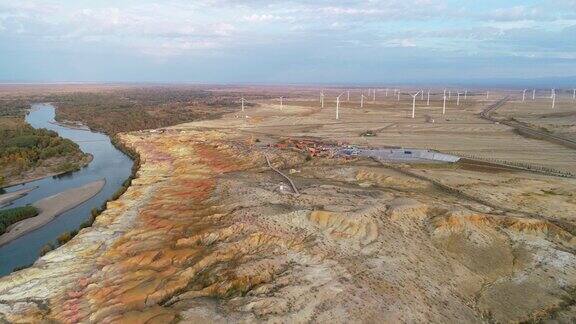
{"points": [[109, 163]]}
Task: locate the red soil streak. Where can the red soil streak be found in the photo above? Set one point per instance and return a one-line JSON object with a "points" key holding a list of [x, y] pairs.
{"points": [[153, 154], [72, 304], [216, 160]]}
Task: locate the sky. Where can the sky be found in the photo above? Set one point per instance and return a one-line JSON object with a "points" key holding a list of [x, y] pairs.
{"points": [[286, 41]]}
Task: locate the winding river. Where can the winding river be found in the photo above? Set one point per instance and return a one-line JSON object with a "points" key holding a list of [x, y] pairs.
{"points": [[109, 163]]}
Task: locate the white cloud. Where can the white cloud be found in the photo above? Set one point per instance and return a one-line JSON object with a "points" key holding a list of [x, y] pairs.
{"points": [[258, 18], [518, 13], [180, 27]]}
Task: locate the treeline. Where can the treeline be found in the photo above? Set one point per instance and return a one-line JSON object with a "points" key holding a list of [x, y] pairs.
{"points": [[14, 215], [143, 108], [15, 107], [23, 147]]}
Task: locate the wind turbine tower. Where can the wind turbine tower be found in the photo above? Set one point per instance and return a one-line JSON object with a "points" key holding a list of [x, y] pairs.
{"points": [[533, 94], [322, 99], [573, 93], [362, 101], [374, 95], [458, 100], [414, 104], [281, 103], [553, 100], [428, 101], [524, 95], [386, 92], [242, 100], [348, 99], [338, 106], [465, 95], [444, 105]]}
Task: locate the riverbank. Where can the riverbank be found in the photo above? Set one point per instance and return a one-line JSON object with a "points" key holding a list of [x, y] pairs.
{"points": [[38, 174], [71, 124], [51, 207], [7, 198]]}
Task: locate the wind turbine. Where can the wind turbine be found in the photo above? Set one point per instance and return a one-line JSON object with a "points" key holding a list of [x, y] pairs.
{"points": [[374, 95], [362, 101], [398, 95], [414, 104], [458, 101], [348, 99], [444, 106], [574, 94], [533, 94], [422, 96], [444, 92], [449, 94], [465, 95], [428, 101], [242, 100], [487, 94], [322, 99], [554, 100], [524, 95], [338, 106], [552, 93], [281, 104], [386, 92]]}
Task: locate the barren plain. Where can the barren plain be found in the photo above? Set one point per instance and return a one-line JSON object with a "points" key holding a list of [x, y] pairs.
{"points": [[208, 232]]}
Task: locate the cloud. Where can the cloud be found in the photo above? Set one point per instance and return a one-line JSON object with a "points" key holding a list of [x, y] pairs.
{"points": [[259, 18], [518, 13], [175, 29]]}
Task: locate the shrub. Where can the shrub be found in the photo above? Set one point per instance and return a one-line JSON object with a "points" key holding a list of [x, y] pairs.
{"points": [[46, 248], [14, 215], [64, 237]]}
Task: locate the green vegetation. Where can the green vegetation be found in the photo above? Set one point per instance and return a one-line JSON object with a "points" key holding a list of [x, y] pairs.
{"points": [[14, 215], [14, 107], [23, 148]]}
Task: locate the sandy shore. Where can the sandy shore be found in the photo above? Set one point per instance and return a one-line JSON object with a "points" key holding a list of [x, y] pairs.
{"points": [[7, 198], [85, 162], [51, 207], [71, 125]]}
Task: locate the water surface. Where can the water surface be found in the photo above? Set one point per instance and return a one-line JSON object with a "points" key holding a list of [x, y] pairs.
{"points": [[109, 163]]}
